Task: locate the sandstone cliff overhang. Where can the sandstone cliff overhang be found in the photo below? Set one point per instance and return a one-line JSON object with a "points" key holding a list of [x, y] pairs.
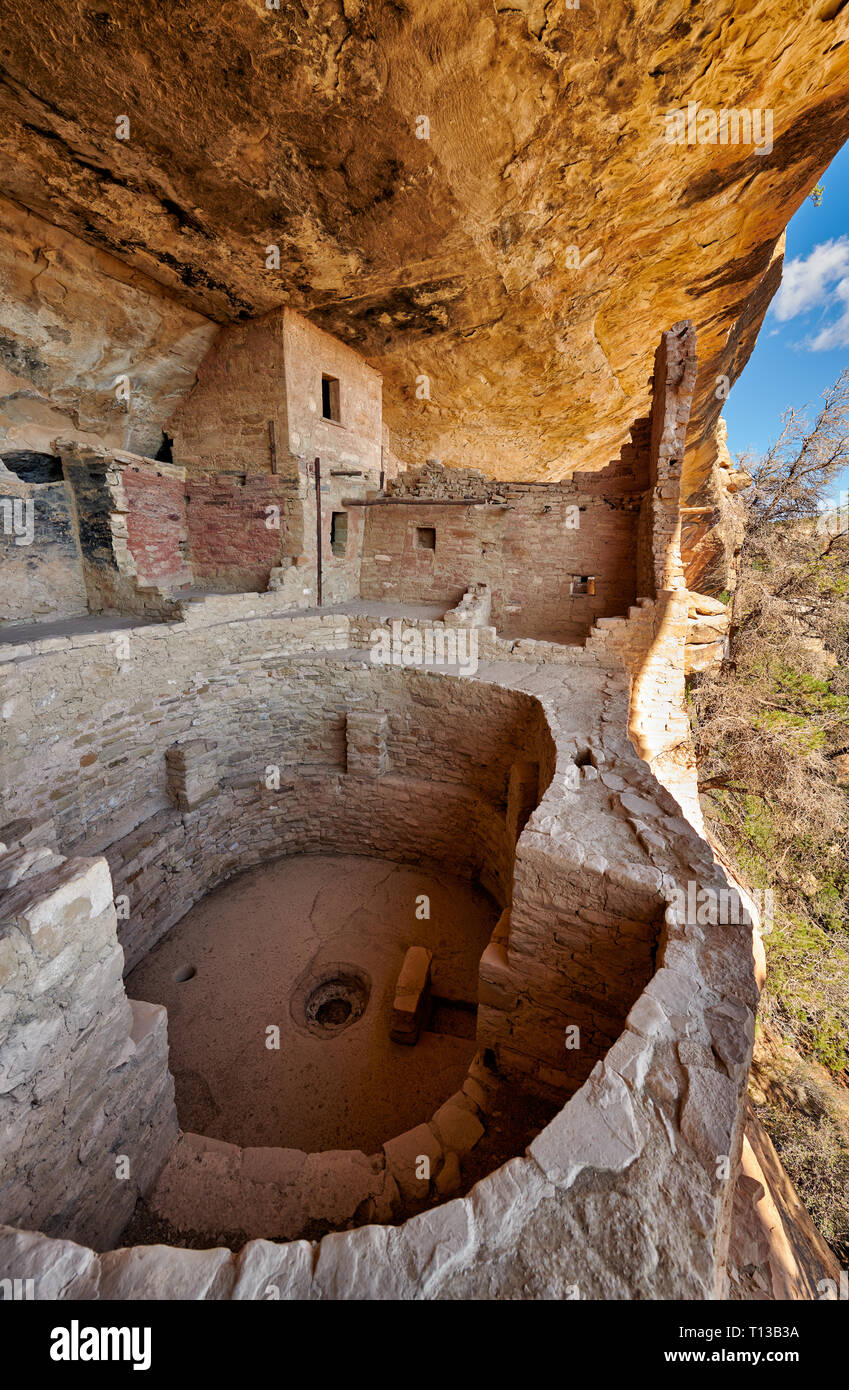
{"points": [[481, 195]]}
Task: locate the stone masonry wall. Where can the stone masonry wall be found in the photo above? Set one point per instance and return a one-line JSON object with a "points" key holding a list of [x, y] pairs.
{"points": [[258, 702], [354, 442], [340, 565], [241, 529], [530, 544], [156, 525], [580, 948], [650, 643], [659, 551], [268, 373], [130, 521], [221, 425], [87, 1113], [172, 860], [261, 708], [269, 370], [146, 531]]}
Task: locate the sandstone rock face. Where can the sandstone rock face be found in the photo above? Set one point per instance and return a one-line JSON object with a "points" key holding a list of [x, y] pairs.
{"points": [[776, 1252], [712, 520], [483, 195], [73, 322]]}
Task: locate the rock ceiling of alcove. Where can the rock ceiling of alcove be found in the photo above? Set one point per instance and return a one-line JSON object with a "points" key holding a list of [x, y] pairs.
{"points": [[446, 257]]}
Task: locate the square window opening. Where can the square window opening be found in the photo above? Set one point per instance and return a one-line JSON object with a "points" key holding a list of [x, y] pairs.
{"points": [[339, 533], [330, 399], [425, 538], [583, 584]]}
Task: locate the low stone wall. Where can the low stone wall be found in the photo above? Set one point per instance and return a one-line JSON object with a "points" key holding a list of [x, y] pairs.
{"points": [[130, 521], [213, 1187], [650, 644], [87, 1114], [370, 623]]}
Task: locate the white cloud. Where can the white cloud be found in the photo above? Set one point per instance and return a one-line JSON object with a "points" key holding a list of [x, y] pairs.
{"points": [[836, 334], [807, 280]]}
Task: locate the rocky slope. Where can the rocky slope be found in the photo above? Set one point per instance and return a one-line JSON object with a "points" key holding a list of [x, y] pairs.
{"points": [[770, 732]]}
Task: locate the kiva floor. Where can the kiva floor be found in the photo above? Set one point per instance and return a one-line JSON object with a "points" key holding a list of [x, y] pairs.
{"points": [[254, 950]]}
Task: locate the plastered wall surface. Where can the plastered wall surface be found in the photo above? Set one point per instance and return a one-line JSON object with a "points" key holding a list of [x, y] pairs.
{"points": [[42, 567], [354, 442]]}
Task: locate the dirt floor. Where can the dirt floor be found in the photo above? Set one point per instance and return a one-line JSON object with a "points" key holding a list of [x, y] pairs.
{"points": [[262, 952]]}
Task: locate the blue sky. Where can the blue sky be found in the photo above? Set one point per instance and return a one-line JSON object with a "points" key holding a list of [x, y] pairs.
{"points": [[804, 342]]}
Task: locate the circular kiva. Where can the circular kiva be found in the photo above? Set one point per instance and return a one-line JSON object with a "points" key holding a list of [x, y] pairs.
{"points": [[559, 819]]}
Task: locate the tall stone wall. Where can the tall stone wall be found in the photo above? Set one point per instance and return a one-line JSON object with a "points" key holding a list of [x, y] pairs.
{"points": [[257, 411], [268, 372], [659, 565], [354, 442], [222, 424], [341, 552]]}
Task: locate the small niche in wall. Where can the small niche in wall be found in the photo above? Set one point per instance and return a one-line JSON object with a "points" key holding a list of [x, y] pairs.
{"points": [[330, 399], [425, 538], [339, 533], [583, 584], [164, 453], [33, 467]]}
